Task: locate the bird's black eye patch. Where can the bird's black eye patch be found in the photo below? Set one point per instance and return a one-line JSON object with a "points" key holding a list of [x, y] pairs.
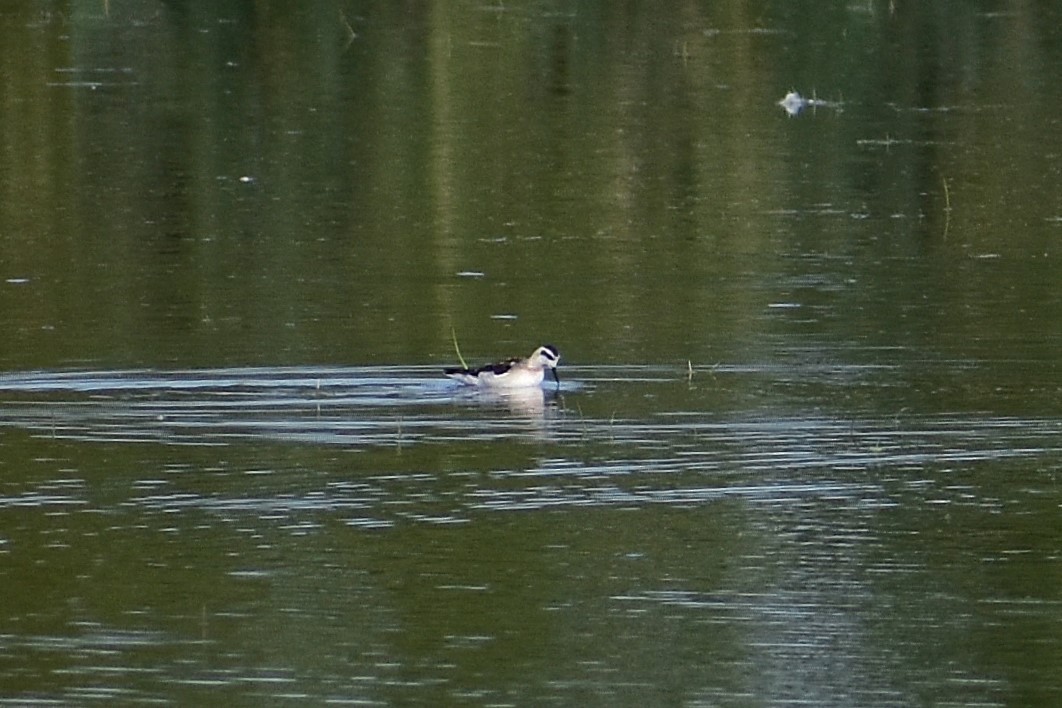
{"points": [[552, 350]]}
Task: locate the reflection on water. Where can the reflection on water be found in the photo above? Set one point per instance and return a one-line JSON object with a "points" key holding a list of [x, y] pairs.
{"points": [[858, 506], [183, 533], [672, 458], [349, 406]]}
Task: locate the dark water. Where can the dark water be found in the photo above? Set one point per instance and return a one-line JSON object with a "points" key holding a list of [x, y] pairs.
{"points": [[808, 445]]}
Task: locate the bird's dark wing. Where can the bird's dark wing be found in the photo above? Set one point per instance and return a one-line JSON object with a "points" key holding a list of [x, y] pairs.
{"points": [[497, 368]]}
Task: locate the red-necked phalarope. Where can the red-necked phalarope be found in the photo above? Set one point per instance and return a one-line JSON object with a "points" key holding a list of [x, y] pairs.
{"points": [[513, 373]]}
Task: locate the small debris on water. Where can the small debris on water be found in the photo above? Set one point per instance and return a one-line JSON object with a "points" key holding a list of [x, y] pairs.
{"points": [[794, 103]]}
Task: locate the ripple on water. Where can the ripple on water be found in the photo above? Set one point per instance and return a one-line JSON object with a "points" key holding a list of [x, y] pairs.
{"points": [[346, 406], [667, 458]]}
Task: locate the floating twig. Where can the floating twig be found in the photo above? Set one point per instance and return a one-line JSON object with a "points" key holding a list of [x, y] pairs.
{"points": [[947, 207], [351, 34]]}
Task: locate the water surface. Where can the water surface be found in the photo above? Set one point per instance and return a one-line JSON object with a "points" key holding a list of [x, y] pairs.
{"points": [[807, 446]]}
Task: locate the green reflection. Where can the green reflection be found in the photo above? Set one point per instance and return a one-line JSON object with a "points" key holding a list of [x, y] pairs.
{"points": [[215, 184]]}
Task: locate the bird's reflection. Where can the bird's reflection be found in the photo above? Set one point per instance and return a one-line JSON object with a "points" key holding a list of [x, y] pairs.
{"points": [[530, 402]]}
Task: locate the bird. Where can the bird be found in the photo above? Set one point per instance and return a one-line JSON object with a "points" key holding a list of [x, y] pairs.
{"points": [[512, 373]]}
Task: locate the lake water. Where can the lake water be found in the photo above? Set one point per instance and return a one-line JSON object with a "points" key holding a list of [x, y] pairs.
{"points": [[807, 445]]}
